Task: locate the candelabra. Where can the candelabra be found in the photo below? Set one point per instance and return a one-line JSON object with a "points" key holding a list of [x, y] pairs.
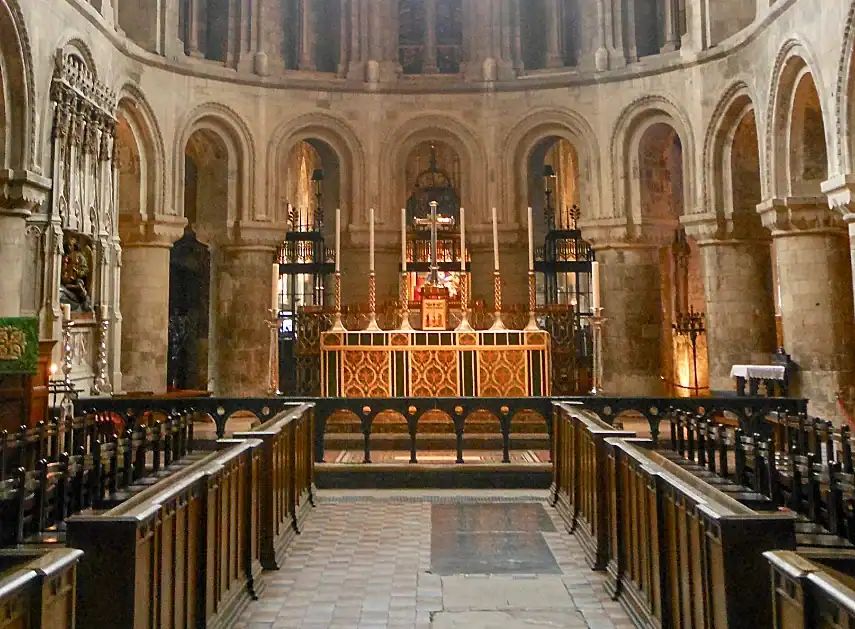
{"points": [[691, 324], [464, 325], [597, 322], [67, 403], [372, 303], [405, 303], [272, 371], [338, 326], [102, 381], [532, 303], [497, 297]]}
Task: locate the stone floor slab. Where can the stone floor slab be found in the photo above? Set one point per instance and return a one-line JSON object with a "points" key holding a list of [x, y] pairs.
{"points": [[504, 593], [508, 620]]}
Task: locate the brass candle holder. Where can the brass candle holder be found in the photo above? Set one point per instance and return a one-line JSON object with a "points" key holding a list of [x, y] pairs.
{"points": [[272, 323], [532, 303], [464, 325], [338, 326], [372, 303], [597, 322], [497, 299], [405, 303]]}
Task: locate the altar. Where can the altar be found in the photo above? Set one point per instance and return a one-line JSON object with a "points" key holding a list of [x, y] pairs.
{"points": [[488, 363]]}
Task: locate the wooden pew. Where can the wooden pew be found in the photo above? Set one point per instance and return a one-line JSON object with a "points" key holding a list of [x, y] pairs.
{"points": [[37, 588], [184, 553], [816, 593], [287, 491], [580, 486], [681, 553]]}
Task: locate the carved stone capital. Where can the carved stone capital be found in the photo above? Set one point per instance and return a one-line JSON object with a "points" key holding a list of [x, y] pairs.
{"points": [[162, 231], [615, 233], [259, 234], [22, 192], [840, 191], [799, 214], [710, 228]]}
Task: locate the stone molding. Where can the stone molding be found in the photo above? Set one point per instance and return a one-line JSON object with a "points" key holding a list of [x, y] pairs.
{"points": [[709, 228], [262, 235], [615, 233], [794, 215], [162, 231], [22, 192], [840, 191]]}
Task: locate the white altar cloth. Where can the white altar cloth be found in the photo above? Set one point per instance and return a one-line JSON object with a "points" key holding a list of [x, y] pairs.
{"points": [[761, 372]]}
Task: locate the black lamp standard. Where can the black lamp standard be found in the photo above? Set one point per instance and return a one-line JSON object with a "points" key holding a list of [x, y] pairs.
{"points": [[318, 181]]}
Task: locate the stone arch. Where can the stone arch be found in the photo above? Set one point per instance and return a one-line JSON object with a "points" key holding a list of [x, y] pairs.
{"points": [[522, 139], [340, 137], [233, 131], [134, 107], [844, 102], [400, 142], [18, 84], [624, 146], [732, 111], [76, 44], [794, 64]]}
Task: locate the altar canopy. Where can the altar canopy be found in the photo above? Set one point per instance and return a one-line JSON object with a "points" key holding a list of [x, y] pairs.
{"points": [[502, 363]]}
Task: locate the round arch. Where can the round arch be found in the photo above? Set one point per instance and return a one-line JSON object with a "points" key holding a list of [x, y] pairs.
{"points": [[624, 147], [143, 123], [237, 138], [399, 144], [340, 137], [18, 85], [523, 138], [794, 62], [844, 102], [736, 104]]}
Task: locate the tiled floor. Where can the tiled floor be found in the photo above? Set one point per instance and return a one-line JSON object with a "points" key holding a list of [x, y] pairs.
{"points": [[434, 560]]}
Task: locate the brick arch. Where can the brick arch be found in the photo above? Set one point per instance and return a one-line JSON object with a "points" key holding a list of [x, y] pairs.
{"points": [[441, 128], [624, 146], [792, 64], [738, 102], [18, 85], [135, 108], [233, 131], [566, 124], [341, 138]]}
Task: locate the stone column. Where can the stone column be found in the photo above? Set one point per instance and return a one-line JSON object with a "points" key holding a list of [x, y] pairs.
{"points": [[669, 18], [815, 277], [260, 61], [307, 36], [518, 57], [193, 27], [740, 306], [21, 192], [630, 288], [243, 298], [631, 44], [554, 58], [145, 298], [429, 65]]}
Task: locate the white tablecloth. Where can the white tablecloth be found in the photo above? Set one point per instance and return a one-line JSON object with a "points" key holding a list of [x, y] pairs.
{"points": [[762, 372]]}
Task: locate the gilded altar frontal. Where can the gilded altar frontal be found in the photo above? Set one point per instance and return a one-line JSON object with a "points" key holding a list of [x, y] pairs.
{"points": [[195, 193]]}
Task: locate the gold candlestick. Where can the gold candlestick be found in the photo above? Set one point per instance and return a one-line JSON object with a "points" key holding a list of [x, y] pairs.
{"points": [[405, 303], [338, 326], [597, 322], [497, 297], [273, 358], [464, 325], [532, 303], [372, 303]]}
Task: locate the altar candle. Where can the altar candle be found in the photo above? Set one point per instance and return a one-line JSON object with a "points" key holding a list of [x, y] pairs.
{"points": [[371, 241], [102, 312], [404, 239], [338, 240], [530, 241], [462, 240], [66, 311], [595, 285], [495, 242]]}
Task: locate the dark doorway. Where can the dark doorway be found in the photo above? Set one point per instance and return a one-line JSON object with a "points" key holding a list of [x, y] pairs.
{"points": [[189, 297]]}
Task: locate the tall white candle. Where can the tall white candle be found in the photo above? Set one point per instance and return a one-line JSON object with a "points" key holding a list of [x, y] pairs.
{"points": [[338, 240], [404, 239], [530, 241], [595, 285], [462, 240], [371, 242], [66, 311], [495, 242]]}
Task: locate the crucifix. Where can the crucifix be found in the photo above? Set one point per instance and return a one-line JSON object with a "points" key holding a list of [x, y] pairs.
{"points": [[434, 268], [434, 294]]}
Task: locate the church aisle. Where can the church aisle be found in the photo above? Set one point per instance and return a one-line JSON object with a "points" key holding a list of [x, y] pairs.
{"points": [[434, 560]]}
